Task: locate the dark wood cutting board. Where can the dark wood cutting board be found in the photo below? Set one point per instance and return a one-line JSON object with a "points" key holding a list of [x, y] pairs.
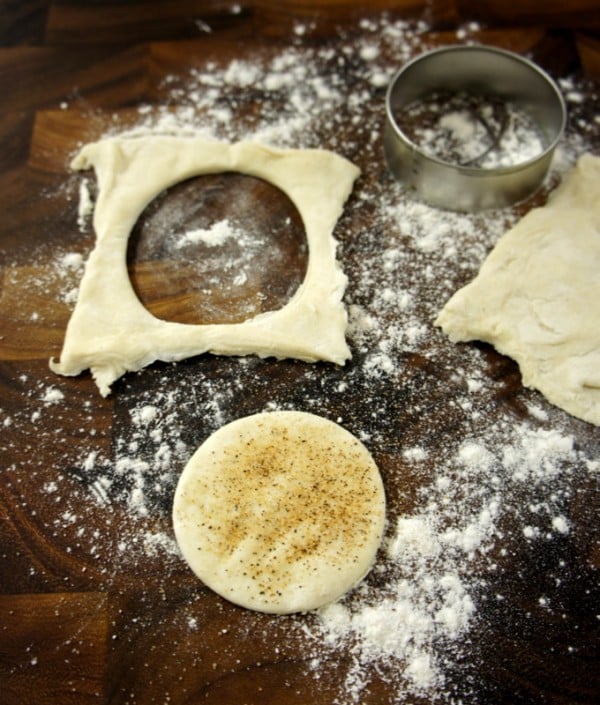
{"points": [[96, 606]]}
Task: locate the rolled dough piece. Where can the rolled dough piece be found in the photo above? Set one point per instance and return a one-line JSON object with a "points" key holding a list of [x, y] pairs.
{"points": [[111, 332], [537, 296], [280, 511]]}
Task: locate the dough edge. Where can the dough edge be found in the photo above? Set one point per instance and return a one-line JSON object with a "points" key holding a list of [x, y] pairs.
{"points": [[563, 364]]}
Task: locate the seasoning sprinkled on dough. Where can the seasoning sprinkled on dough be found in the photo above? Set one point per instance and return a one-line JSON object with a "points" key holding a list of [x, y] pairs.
{"points": [[280, 512]]}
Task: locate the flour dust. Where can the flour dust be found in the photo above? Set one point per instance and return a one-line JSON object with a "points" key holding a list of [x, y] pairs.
{"points": [[487, 476]]}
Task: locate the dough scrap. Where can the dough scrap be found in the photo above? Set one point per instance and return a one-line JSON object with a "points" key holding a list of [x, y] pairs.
{"points": [[280, 511], [111, 332], [537, 296]]}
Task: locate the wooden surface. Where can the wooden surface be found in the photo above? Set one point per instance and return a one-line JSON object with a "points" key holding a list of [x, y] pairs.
{"points": [[91, 611]]}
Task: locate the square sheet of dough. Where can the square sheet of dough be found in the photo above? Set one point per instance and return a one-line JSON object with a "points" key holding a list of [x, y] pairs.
{"points": [[110, 332], [537, 296]]}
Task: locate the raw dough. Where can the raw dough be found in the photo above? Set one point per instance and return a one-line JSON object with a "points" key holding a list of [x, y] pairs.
{"points": [[111, 332], [280, 512], [537, 296]]}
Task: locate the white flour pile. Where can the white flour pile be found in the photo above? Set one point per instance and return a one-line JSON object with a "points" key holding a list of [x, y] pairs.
{"points": [[486, 476], [214, 236]]}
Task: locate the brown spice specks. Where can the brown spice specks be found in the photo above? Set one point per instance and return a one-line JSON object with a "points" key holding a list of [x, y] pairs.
{"points": [[285, 494]]}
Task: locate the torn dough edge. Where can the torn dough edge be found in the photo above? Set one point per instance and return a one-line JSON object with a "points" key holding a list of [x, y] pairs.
{"points": [[562, 362], [111, 333]]}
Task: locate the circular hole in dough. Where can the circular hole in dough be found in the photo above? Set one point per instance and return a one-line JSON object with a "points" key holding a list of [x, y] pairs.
{"points": [[218, 248], [280, 511]]}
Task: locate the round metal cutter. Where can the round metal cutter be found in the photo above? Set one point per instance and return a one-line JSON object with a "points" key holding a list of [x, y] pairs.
{"points": [[495, 78]]}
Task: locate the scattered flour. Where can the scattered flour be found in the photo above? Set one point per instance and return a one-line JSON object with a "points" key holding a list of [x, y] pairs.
{"points": [[52, 395], [86, 204], [478, 467], [456, 131]]}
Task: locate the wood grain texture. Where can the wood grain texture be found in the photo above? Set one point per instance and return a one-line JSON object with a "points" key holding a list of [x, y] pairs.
{"points": [[65, 636], [589, 50], [579, 14], [23, 22], [142, 21], [34, 77], [96, 605]]}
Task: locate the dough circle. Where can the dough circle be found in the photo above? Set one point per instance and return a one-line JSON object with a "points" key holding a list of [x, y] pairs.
{"points": [[280, 511]]}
